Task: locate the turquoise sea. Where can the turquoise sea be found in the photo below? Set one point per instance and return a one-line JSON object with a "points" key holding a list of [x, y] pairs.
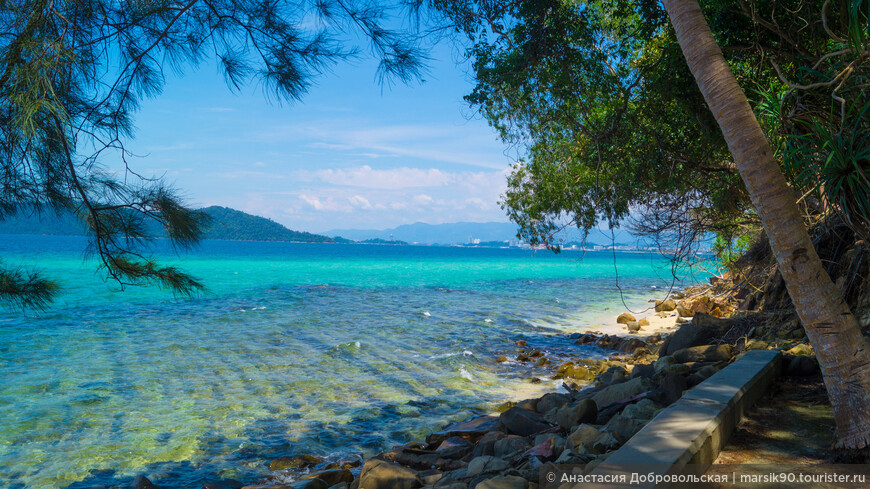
{"points": [[321, 349]]}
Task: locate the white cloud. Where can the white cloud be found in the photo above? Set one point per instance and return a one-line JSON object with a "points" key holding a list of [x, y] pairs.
{"points": [[394, 178], [360, 202]]}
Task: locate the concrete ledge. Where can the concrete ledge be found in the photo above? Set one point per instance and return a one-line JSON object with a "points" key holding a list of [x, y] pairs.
{"points": [[695, 428]]}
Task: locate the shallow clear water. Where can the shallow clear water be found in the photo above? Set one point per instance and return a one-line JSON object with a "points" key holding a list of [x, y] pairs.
{"points": [[294, 348]]}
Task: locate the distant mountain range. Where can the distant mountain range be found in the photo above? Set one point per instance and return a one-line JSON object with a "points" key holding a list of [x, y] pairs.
{"points": [[468, 232], [231, 224], [226, 224]]}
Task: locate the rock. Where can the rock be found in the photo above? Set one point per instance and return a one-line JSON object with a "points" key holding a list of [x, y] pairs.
{"points": [[501, 359], [643, 322], [706, 372], [624, 427], [582, 438], [644, 370], [633, 327], [227, 484], [486, 444], [661, 365], [521, 343], [558, 442], [509, 446], [625, 318], [551, 400], [666, 305], [705, 353], [430, 477], [522, 357], [756, 344], [800, 350], [378, 474], [679, 369], [545, 450], [142, 482], [700, 331], [453, 448], [309, 484], [522, 422], [332, 477], [618, 392], [504, 482], [670, 389], [571, 371], [571, 415], [643, 410], [613, 374], [570, 457], [800, 366], [681, 320], [485, 465], [631, 345], [605, 441], [471, 430], [294, 462], [340, 485], [543, 361]]}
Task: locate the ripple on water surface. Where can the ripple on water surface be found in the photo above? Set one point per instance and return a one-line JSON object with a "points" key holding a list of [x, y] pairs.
{"points": [[272, 360]]}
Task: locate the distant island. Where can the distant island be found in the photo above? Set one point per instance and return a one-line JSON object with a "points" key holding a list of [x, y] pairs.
{"points": [[227, 224]]}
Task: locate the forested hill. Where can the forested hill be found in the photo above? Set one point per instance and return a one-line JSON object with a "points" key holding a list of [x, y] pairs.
{"points": [[237, 225], [227, 224]]}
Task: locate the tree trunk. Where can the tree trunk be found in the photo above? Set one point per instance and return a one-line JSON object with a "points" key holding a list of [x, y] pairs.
{"points": [[831, 328]]}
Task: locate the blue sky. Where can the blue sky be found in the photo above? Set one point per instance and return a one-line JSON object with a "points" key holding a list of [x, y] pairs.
{"points": [[351, 154]]}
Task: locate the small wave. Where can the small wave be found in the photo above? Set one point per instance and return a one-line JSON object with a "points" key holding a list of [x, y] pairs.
{"points": [[426, 313], [487, 320], [464, 353], [466, 374]]}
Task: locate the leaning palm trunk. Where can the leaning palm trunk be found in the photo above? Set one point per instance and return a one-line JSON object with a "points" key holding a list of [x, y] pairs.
{"points": [[831, 328]]}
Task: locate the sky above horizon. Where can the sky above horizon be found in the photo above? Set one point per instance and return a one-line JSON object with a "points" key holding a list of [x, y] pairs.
{"points": [[352, 154]]}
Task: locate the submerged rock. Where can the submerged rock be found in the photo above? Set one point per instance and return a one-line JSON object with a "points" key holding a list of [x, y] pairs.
{"points": [[378, 474], [294, 462], [142, 482]]}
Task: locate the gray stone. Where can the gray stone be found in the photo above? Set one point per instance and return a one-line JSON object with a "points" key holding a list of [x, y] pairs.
{"points": [[605, 441], [642, 410], [378, 474], [505, 482], [552, 400], [662, 364], [618, 392], [679, 369], [633, 327], [624, 427], [333, 477], [309, 484], [485, 465], [700, 331], [340, 485], [519, 421], [670, 389], [454, 447], [704, 353], [472, 430], [613, 374], [800, 366], [643, 370], [570, 457], [486, 444], [582, 438], [510, 445], [558, 441], [573, 414]]}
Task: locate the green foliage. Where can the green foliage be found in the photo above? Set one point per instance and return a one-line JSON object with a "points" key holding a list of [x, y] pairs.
{"points": [[596, 98], [73, 73], [25, 289]]}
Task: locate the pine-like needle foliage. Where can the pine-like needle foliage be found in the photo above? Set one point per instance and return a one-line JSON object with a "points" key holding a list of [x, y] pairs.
{"points": [[72, 75]]}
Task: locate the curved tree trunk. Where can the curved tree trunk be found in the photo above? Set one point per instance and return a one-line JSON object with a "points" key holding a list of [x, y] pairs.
{"points": [[831, 328]]}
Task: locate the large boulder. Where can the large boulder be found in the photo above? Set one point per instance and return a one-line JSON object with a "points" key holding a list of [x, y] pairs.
{"points": [[509, 446], [624, 427], [471, 430], [700, 331], [582, 438], [332, 477], [486, 444], [704, 353], [666, 305], [552, 400], [670, 389], [522, 422], [625, 318], [294, 462], [142, 482], [379, 474], [571, 415], [485, 465], [618, 392]]}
